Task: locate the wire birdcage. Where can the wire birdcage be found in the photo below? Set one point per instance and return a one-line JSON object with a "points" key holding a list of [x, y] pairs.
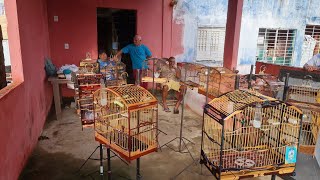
{"points": [[307, 98], [221, 80], [247, 134], [310, 127], [115, 74], [126, 120], [265, 84], [304, 93]]}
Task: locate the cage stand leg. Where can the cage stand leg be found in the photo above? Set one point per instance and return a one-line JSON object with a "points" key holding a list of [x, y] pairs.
{"points": [[101, 162], [184, 169], [138, 169], [87, 159], [109, 163]]}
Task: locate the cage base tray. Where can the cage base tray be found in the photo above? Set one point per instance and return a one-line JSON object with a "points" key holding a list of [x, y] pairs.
{"points": [[247, 161]]}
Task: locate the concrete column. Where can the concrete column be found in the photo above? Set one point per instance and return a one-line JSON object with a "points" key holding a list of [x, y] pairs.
{"points": [[233, 27]]}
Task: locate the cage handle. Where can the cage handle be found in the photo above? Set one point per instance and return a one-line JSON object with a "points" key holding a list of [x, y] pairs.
{"points": [[88, 56]]}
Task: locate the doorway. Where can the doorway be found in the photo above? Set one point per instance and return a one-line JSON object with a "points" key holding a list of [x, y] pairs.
{"points": [[116, 29]]}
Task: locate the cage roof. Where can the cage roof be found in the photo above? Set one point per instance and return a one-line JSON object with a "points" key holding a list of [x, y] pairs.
{"points": [[237, 100], [133, 95]]}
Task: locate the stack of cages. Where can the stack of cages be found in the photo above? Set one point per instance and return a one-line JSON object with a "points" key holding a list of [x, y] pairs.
{"points": [[126, 120], [115, 74], [86, 85], [307, 98], [221, 80], [265, 84], [246, 134], [86, 66]]}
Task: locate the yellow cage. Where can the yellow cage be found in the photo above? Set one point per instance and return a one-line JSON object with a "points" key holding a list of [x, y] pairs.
{"points": [[307, 98], [126, 120], [246, 134]]}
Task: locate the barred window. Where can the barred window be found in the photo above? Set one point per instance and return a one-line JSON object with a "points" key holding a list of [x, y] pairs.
{"points": [[210, 44], [314, 32], [276, 46]]}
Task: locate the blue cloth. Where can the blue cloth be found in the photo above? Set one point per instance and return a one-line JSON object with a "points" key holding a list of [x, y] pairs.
{"points": [[108, 74], [314, 61], [137, 54], [103, 64]]}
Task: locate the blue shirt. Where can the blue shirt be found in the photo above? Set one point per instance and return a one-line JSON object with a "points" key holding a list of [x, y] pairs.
{"points": [[137, 54], [314, 61]]}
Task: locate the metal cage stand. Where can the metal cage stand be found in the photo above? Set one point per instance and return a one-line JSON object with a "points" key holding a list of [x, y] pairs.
{"points": [[196, 161], [101, 159], [182, 140], [153, 90]]}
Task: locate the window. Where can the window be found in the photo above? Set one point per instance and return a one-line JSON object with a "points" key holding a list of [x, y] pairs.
{"points": [[313, 31], [210, 44], [276, 46], [5, 76]]}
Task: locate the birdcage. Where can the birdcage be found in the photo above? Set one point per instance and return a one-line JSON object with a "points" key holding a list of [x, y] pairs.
{"points": [[307, 98], [265, 84], [221, 80], [247, 134], [191, 73], [86, 85], [310, 127], [126, 120], [115, 74]]}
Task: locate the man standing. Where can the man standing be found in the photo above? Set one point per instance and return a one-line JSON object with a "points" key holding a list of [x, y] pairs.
{"points": [[138, 54]]}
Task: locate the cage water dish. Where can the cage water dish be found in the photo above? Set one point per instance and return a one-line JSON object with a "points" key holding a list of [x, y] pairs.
{"points": [[247, 134], [126, 120], [307, 98]]}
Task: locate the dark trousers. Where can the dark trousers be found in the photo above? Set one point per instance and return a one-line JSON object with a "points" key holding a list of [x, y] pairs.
{"points": [[142, 73]]}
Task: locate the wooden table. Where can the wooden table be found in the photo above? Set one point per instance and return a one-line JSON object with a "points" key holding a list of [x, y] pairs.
{"points": [[55, 81]]}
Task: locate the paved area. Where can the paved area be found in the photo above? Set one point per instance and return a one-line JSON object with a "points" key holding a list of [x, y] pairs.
{"points": [[63, 147]]}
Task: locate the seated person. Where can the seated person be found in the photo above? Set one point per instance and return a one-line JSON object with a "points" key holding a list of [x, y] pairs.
{"points": [[173, 74], [313, 64], [106, 66]]}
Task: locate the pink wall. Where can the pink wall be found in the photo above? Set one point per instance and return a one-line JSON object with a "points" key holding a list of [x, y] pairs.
{"points": [[77, 26], [25, 107]]}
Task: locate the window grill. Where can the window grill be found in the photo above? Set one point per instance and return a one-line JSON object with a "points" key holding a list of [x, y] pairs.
{"points": [[210, 44], [276, 46], [314, 32]]}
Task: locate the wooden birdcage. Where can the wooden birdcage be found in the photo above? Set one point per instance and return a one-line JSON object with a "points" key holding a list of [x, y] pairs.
{"points": [[192, 72], [86, 85], [221, 80], [126, 120], [115, 75], [307, 98], [241, 139], [265, 84]]}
